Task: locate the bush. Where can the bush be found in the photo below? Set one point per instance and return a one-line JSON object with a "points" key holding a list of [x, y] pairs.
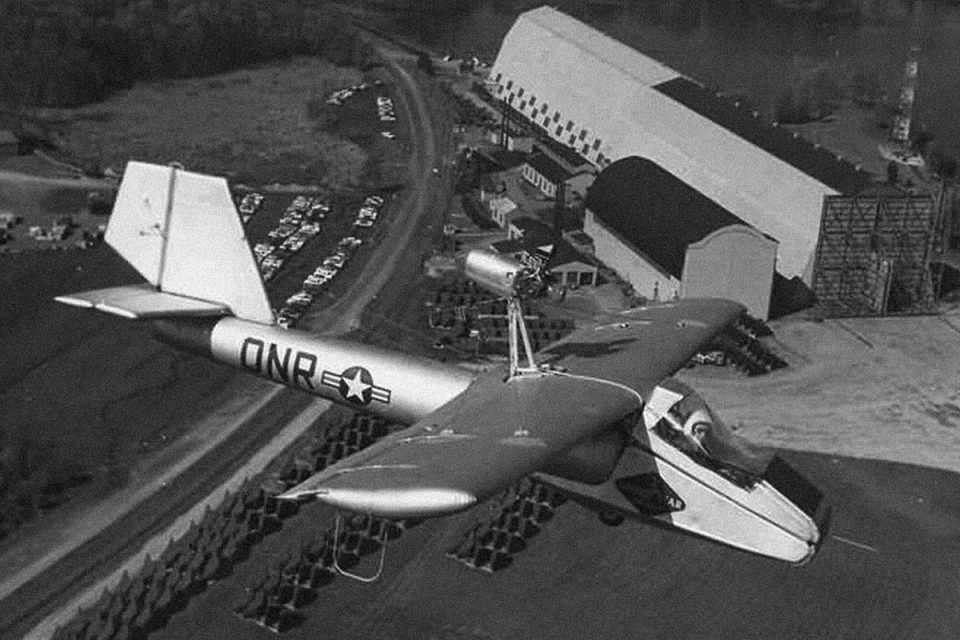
{"points": [[808, 98], [316, 108], [943, 164], [71, 52], [865, 88]]}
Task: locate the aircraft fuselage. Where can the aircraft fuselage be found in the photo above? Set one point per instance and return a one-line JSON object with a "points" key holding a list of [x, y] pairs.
{"points": [[405, 389], [390, 384]]}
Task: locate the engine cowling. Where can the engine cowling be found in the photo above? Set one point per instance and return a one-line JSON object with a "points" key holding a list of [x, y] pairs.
{"points": [[500, 274]]}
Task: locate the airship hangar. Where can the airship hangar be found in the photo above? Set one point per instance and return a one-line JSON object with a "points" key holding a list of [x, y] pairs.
{"points": [[696, 193]]}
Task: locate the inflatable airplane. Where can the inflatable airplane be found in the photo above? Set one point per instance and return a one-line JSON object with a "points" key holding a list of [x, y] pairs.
{"points": [[595, 415]]}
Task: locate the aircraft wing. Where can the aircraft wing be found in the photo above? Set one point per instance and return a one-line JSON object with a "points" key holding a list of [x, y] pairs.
{"points": [[501, 429], [640, 347], [494, 433]]}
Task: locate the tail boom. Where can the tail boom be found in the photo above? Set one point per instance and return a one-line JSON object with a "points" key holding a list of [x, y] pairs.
{"points": [[394, 385]]}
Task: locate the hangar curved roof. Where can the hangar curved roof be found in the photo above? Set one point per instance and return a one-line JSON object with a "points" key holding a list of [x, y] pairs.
{"points": [[608, 101], [654, 211]]}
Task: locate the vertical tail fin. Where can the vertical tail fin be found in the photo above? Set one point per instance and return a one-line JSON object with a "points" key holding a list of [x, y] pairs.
{"points": [[181, 231]]}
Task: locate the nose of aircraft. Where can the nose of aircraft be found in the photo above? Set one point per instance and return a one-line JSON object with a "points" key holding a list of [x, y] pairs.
{"points": [[811, 512], [778, 514]]}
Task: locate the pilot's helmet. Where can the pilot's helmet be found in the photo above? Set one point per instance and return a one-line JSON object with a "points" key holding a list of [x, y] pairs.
{"points": [[698, 424]]}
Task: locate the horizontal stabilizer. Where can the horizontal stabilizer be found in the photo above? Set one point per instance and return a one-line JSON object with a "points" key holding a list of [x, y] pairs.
{"points": [[139, 302]]}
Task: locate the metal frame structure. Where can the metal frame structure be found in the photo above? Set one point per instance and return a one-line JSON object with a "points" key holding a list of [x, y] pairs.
{"points": [[518, 334], [873, 255]]}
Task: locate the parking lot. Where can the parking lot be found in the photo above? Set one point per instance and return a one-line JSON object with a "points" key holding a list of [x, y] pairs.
{"points": [[305, 243]]}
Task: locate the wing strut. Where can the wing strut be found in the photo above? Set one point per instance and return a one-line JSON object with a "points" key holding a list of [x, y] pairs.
{"points": [[518, 326]]}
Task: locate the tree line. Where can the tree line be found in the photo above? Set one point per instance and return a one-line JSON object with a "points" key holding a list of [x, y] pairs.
{"points": [[57, 53]]}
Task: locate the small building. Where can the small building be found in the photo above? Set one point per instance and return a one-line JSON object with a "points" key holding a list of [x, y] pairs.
{"points": [[491, 188], [565, 156], [9, 143], [580, 241], [530, 228], [513, 139], [500, 207], [669, 240], [544, 173], [572, 268], [554, 180]]}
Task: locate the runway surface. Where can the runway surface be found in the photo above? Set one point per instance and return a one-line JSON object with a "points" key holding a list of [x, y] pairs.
{"points": [[890, 568]]}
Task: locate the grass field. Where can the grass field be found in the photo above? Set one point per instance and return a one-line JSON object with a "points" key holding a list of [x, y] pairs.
{"points": [[250, 124], [84, 396]]}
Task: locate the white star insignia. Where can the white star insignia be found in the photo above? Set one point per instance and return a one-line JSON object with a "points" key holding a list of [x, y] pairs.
{"points": [[355, 386]]}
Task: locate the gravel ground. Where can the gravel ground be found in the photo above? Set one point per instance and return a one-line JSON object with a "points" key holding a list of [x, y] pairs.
{"points": [[884, 388]]}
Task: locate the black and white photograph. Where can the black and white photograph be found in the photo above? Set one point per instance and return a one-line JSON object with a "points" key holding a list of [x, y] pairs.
{"points": [[479, 320]]}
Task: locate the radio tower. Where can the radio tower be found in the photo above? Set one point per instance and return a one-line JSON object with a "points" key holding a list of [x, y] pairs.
{"points": [[898, 147]]}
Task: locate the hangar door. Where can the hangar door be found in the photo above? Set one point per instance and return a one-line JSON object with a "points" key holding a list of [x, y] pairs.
{"points": [[735, 262]]}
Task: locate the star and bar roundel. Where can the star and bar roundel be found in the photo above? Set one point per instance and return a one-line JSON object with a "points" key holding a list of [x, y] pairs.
{"points": [[355, 385]]}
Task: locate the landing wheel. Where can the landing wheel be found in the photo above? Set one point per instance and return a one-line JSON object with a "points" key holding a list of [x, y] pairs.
{"points": [[611, 518]]}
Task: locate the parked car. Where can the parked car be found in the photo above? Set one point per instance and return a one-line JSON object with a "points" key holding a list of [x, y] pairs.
{"points": [[313, 283], [286, 319], [326, 271], [262, 250], [310, 229], [267, 272], [302, 299]]}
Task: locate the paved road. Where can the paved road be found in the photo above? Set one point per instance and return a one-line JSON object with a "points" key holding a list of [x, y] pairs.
{"points": [[404, 221], [44, 594]]}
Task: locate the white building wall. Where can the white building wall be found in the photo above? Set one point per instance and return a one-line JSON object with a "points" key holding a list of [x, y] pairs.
{"points": [[734, 262], [606, 87], [647, 279]]}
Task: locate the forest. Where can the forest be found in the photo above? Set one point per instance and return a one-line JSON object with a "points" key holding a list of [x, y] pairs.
{"points": [[62, 53]]}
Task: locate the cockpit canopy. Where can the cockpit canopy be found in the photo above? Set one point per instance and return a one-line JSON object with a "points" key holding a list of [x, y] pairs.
{"points": [[678, 414]]}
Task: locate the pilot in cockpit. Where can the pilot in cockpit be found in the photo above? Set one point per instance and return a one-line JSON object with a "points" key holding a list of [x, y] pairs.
{"points": [[691, 427]]}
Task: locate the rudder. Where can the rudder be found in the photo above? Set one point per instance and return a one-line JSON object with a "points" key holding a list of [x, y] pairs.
{"points": [[181, 231]]}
